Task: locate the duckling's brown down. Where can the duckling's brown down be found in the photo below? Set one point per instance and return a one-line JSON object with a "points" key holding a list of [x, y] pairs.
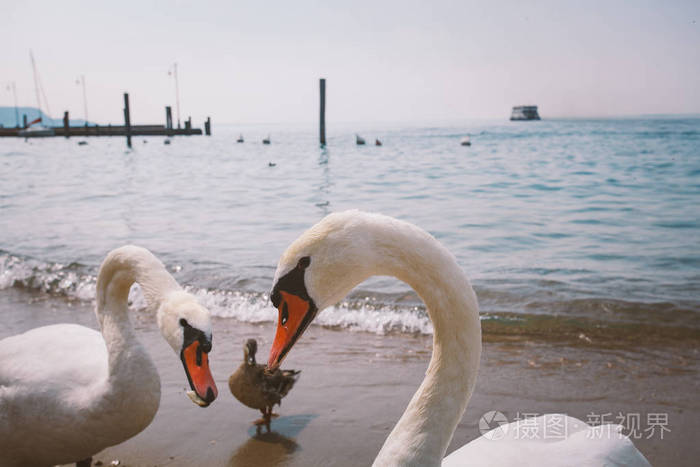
{"points": [[257, 388]]}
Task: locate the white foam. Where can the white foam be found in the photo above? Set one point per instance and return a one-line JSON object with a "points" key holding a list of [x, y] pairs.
{"points": [[358, 315], [368, 315], [46, 277]]}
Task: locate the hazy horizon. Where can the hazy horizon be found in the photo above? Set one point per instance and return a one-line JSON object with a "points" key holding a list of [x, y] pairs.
{"points": [[384, 61]]}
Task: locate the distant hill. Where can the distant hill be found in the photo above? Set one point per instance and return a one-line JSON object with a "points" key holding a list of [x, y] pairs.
{"points": [[7, 117]]}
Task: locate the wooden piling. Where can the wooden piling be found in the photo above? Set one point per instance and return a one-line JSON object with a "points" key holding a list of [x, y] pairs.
{"points": [[207, 127], [169, 120], [24, 120], [322, 116], [127, 119], [66, 124]]}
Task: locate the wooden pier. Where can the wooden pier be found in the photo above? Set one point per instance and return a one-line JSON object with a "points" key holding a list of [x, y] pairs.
{"points": [[127, 129], [111, 130]]}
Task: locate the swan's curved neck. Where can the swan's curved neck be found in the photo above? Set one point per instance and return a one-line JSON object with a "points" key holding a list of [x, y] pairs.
{"points": [[424, 431], [118, 273]]}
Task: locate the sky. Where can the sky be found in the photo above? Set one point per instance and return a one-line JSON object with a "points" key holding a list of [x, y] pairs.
{"points": [[384, 61]]}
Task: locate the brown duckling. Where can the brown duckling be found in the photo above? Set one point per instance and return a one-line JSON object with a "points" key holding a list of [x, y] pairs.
{"points": [[258, 388]]}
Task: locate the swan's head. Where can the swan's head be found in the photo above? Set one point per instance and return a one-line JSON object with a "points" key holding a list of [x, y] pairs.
{"points": [[186, 326], [250, 348], [318, 270]]}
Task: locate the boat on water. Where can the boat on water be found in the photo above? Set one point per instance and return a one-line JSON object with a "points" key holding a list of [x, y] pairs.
{"points": [[266, 140], [525, 112], [359, 140], [240, 139], [465, 141]]}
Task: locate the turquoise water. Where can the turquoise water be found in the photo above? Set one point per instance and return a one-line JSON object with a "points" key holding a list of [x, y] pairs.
{"points": [[598, 218]]}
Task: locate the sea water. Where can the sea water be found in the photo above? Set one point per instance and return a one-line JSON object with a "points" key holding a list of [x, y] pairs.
{"points": [[592, 218]]}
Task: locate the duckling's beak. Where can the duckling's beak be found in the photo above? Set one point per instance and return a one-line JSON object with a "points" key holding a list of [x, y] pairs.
{"points": [[295, 314], [195, 359]]}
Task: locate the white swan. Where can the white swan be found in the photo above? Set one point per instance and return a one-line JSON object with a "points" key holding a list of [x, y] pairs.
{"points": [[67, 391], [327, 261]]}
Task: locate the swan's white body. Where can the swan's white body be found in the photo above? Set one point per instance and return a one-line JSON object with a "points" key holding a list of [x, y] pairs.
{"points": [[67, 391], [346, 248], [533, 442]]}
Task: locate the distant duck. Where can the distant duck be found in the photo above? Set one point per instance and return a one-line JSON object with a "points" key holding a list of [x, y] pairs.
{"points": [[240, 139], [167, 141], [266, 140], [256, 388], [271, 164], [377, 142], [359, 140], [82, 143], [465, 141]]}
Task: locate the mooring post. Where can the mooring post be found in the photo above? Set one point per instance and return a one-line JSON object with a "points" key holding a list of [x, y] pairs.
{"points": [[169, 120], [66, 130], [24, 120], [322, 121], [127, 119], [207, 127]]}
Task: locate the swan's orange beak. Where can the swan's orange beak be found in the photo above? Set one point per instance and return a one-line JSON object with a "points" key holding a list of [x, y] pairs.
{"points": [[196, 362], [295, 314]]}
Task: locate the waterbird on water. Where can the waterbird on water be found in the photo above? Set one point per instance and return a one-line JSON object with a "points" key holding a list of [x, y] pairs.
{"points": [[256, 387]]}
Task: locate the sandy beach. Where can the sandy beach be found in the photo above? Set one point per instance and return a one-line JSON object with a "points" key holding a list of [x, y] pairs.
{"points": [[355, 385]]}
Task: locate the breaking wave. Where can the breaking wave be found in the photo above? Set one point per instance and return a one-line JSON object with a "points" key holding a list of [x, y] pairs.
{"points": [[77, 282], [524, 313]]}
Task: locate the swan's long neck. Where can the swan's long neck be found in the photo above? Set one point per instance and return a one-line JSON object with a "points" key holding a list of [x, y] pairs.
{"points": [[423, 433], [118, 272]]}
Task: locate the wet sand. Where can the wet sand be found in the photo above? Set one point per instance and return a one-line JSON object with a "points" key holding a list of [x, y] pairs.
{"points": [[354, 386]]}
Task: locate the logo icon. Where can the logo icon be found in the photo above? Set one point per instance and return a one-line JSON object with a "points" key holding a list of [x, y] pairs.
{"points": [[493, 425]]}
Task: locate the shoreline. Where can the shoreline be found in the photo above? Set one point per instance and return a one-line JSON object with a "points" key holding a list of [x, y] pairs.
{"points": [[355, 385], [533, 312]]}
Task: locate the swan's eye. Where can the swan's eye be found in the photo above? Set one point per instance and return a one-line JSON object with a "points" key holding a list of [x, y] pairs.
{"points": [[205, 344], [183, 322], [285, 314], [275, 298], [304, 262]]}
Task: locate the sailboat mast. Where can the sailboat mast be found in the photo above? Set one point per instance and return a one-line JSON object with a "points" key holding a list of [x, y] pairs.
{"points": [[36, 83]]}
